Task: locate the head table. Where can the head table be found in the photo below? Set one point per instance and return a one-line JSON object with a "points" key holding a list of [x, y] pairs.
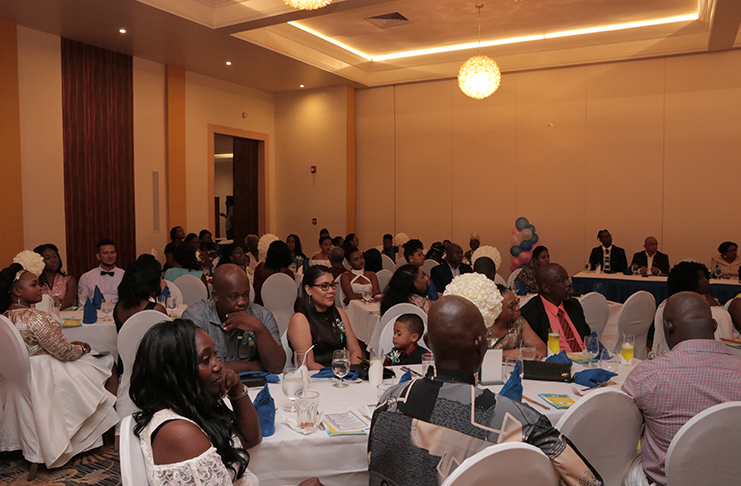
{"points": [[288, 457]]}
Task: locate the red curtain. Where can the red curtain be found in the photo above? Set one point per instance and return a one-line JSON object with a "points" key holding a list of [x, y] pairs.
{"points": [[98, 121]]}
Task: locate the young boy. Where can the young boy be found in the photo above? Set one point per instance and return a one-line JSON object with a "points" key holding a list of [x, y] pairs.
{"points": [[408, 329]]}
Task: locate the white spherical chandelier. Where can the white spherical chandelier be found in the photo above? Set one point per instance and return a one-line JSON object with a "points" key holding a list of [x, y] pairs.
{"points": [[479, 76]]}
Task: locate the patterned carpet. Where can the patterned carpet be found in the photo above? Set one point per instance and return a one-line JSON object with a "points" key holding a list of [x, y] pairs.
{"points": [[97, 467]]}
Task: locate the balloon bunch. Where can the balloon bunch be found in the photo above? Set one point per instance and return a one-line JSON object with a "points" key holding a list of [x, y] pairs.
{"points": [[524, 239]]}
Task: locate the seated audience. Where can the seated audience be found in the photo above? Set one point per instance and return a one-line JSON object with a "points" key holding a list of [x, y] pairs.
{"points": [[414, 252], [408, 330], [137, 291], [206, 241], [473, 243], [54, 282], [297, 255], [486, 267], [437, 252], [322, 256], [233, 253], [373, 262], [511, 331], [177, 235], [186, 263], [423, 429], [336, 259], [277, 261], [541, 257], [651, 260], [357, 280], [246, 334], [728, 260], [68, 383], [319, 323], [388, 247], [350, 241], [696, 374], [187, 433], [555, 309], [611, 259], [106, 277], [450, 268], [407, 285], [252, 254]]}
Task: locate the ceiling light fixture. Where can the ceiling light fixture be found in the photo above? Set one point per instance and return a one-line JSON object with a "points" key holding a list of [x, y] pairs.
{"points": [[307, 4], [228, 63], [123, 31], [300, 85], [479, 77]]}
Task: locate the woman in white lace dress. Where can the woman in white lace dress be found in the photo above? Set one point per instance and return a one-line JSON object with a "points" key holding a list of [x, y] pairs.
{"points": [[187, 434]]}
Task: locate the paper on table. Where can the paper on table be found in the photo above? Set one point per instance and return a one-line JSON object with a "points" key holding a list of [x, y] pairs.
{"points": [[349, 422]]}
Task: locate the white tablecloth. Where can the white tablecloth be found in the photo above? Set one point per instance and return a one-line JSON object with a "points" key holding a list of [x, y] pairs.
{"points": [[288, 457], [364, 318]]}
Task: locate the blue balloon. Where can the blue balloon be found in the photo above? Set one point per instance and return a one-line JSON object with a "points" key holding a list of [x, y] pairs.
{"points": [[530, 227], [521, 223], [526, 245], [524, 265], [534, 239], [515, 251]]}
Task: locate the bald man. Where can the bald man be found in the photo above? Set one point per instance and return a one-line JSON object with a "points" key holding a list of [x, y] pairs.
{"points": [[651, 260], [423, 429], [696, 374], [246, 335]]}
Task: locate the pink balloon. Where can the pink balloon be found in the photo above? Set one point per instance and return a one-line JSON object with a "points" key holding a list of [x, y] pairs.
{"points": [[513, 266], [516, 261], [525, 257], [516, 239], [515, 231]]}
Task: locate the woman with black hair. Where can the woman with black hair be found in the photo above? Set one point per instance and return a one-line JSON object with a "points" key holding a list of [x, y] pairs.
{"points": [[187, 434], [177, 235], [728, 260], [319, 323], [233, 253], [186, 263], [54, 282], [408, 285], [138, 290], [358, 279], [277, 261], [322, 256], [350, 241], [373, 261], [297, 255]]}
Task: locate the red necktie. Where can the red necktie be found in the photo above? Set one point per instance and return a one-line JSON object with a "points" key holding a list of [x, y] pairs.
{"points": [[568, 335]]}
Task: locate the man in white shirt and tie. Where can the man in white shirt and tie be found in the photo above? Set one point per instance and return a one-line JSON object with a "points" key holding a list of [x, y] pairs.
{"points": [[610, 258], [106, 277]]}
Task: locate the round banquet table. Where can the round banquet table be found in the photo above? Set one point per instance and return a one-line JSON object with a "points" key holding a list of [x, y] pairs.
{"points": [[288, 457], [364, 318]]}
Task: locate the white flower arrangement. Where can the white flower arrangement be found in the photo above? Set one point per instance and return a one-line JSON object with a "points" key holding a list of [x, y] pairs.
{"points": [[400, 239], [481, 291], [487, 251], [31, 261], [263, 244]]}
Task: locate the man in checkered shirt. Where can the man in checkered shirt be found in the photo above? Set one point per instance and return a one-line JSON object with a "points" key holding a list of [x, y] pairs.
{"points": [[696, 374]]}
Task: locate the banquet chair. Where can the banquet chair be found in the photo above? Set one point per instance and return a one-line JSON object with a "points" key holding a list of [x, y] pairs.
{"points": [[428, 265], [131, 333], [286, 349], [635, 318], [388, 263], [605, 426], [705, 450], [726, 306], [498, 279], [279, 296], [192, 289], [400, 262], [722, 318], [346, 264], [175, 292], [384, 277], [19, 429], [133, 467], [45, 303], [511, 279], [385, 338], [510, 463], [596, 311], [526, 298]]}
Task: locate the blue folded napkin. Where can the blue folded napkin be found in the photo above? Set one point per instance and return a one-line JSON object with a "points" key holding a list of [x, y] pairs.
{"points": [[407, 376], [269, 376], [513, 388], [559, 358], [165, 292], [327, 372], [627, 271], [265, 407], [97, 298], [593, 377], [89, 314]]}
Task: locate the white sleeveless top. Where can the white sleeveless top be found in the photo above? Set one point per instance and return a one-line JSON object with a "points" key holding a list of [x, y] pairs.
{"points": [[358, 287], [204, 470]]}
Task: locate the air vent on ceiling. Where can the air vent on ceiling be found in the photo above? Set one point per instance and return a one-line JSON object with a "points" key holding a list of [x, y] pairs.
{"points": [[385, 21]]}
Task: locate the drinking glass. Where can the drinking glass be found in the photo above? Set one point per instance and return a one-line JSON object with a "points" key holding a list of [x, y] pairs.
{"points": [[554, 341], [509, 367], [367, 296], [610, 364], [627, 349], [718, 272], [527, 353], [634, 268], [292, 384], [162, 300], [428, 360], [308, 408], [298, 359], [106, 307], [55, 307], [591, 349], [172, 304], [340, 366]]}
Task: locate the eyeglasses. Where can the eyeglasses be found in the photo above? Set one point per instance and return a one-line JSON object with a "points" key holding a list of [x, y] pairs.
{"points": [[325, 286], [514, 304]]}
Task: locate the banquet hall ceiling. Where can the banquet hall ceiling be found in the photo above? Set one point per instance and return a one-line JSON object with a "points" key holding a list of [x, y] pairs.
{"points": [[275, 48]]}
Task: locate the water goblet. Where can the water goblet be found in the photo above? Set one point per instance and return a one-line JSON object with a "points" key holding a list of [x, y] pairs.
{"points": [[367, 296], [591, 349], [340, 366], [291, 384], [106, 307], [172, 304]]}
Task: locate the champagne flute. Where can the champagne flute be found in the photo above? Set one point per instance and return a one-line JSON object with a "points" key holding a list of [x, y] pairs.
{"points": [[340, 366], [292, 384], [172, 304], [627, 348], [554, 341], [591, 349], [106, 307]]}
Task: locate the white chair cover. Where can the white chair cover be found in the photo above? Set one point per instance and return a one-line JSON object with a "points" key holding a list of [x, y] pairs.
{"points": [[339, 297], [605, 426], [526, 298], [508, 463], [384, 277], [346, 264], [45, 303], [17, 423], [279, 296], [252, 292], [498, 279], [388, 263], [133, 467], [635, 318], [511, 279], [400, 262], [192, 289], [385, 337], [720, 314], [705, 450], [131, 333], [286, 349], [596, 311], [175, 291], [428, 265], [726, 306]]}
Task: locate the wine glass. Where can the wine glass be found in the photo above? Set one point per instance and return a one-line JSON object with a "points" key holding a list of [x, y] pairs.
{"points": [[172, 304], [634, 269], [292, 384], [509, 367], [367, 296], [718, 272], [340, 366], [106, 307], [591, 348]]}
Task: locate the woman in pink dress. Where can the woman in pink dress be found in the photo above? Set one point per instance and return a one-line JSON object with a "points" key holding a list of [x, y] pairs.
{"points": [[54, 282]]}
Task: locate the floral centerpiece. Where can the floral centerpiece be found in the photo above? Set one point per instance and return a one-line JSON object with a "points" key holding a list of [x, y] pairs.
{"points": [[400, 239], [487, 251], [481, 291]]}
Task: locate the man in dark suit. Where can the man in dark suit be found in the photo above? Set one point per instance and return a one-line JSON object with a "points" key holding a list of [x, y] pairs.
{"points": [[555, 309], [451, 266], [611, 258], [651, 260]]}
